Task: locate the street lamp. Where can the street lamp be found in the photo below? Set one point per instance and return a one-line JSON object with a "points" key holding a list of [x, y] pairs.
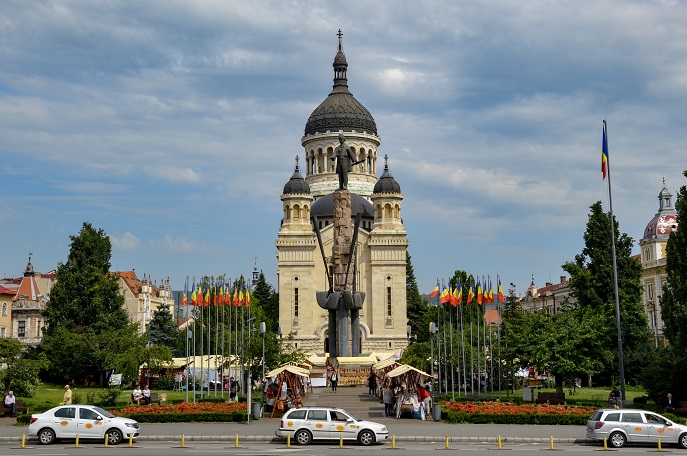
{"points": [[263, 333], [433, 329]]}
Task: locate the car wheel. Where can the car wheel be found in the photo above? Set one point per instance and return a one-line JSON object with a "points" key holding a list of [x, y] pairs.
{"points": [[46, 436], [682, 441], [617, 439], [303, 437], [114, 437], [366, 437]]}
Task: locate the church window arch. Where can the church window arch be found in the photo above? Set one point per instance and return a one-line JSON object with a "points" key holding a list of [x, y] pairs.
{"points": [[388, 308], [387, 211], [295, 297], [296, 211], [397, 211], [378, 209]]}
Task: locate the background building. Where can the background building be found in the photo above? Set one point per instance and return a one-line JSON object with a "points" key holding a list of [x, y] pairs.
{"points": [[653, 260]]}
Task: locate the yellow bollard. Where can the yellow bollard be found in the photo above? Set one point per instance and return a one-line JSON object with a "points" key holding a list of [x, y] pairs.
{"points": [[183, 440], [340, 440], [551, 443], [236, 444], [659, 445], [106, 439], [498, 442], [77, 440], [447, 442], [605, 444], [288, 441], [23, 440], [131, 440], [393, 441]]}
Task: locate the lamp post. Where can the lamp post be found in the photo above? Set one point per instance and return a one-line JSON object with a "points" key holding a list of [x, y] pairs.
{"points": [[263, 333], [433, 329]]}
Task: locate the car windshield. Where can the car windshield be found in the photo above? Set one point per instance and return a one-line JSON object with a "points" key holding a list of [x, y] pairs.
{"points": [[351, 416], [104, 413]]}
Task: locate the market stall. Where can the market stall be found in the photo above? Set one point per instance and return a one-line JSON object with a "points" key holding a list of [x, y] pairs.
{"points": [[291, 385], [405, 380]]}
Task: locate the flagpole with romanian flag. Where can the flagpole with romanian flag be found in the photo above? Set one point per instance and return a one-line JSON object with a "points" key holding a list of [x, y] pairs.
{"points": [[606, 170]]}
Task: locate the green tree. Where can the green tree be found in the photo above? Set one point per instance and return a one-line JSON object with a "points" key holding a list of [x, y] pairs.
{"points": [[19, 373], [416, 307], [86, 307], [162, 329], [592, 285], [265, 296]]}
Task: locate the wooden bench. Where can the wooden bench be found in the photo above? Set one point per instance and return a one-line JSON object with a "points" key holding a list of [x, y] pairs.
{"points": [[154, 399], [680, 407], [19, 406], [550, 398]]}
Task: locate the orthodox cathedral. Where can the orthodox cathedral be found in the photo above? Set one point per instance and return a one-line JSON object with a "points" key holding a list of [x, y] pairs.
{"points": [[379, 262]]}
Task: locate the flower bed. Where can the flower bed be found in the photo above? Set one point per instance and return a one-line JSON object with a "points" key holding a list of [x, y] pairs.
{"points": [[509, 413], [185, 412]]}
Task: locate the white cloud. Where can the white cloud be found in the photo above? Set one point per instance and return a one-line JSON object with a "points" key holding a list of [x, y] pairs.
{"points": [[126, 241]]}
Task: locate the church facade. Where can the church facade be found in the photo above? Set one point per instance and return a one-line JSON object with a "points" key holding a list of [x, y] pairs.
{"points": [[379, 264]]}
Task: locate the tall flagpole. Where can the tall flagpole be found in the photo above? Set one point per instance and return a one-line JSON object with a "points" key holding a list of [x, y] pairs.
{"points": [[498, 334], [195, 327], [607, 165], [450, 316], [462, 346]]}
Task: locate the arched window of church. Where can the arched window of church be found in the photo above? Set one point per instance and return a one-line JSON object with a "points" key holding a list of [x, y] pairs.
{"points": [[387, 297], [397, 211], [379, 211], [387, 211], [297, 211], [369, 163], [650, 291], [295, 297]]}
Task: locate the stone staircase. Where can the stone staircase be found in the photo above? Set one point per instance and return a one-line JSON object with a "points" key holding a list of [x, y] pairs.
{"points": [[354, 399]]}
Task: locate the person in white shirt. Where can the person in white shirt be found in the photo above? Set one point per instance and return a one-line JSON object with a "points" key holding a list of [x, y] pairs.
{"points": [[137, 395], [10, 402]]}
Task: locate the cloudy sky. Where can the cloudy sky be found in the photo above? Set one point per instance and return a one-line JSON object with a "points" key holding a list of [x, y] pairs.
{"points": [[174, 125]]}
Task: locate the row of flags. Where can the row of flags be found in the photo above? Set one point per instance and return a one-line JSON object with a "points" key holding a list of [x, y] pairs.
{"points": [[222, 295], [454, 296]]}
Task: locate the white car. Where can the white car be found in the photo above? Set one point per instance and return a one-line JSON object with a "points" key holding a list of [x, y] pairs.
{"points": [[88, 421], [306, 424], [620, 426]]}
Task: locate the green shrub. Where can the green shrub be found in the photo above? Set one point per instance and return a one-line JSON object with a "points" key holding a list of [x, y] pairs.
{"points": [[640, 400], [502, 418]]}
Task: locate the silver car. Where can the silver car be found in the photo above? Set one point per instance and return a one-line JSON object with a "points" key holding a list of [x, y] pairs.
{"points": [[306, 424], [620, 426], [88, 421]]}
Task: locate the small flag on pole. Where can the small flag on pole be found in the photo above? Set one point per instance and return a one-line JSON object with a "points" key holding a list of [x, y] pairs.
{"points": [[443, 297], [184, 297], [480, 294], [459, 297], [502, 298], [471, 292], [604, 153], [435, 291]]}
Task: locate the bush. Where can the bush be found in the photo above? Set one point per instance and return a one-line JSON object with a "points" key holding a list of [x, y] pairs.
{"points": [[166, 382], [450, 416], [640, 400]]}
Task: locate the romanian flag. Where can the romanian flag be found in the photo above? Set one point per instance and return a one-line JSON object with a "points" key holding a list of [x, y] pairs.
{"points": [[435, 291], [455, 297], [227, 295], [207, 298], [184, 297], [220, 300], [247, 297], [604, 153], [199, 297], [490, 299], [471, 293], [459, 296], [502, 299], [480, 295], [443, 297], [236, 295], [241, 296]]}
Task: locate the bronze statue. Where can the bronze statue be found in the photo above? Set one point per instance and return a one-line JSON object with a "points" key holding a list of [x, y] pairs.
{"points": [[344, 162]]}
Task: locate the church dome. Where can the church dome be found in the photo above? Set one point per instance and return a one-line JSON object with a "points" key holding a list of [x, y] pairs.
{"points": [[296, 185], [665, 220], [387, 183], [340, 110]]}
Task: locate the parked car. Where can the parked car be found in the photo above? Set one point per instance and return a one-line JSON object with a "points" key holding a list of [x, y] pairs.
{"points": [[306, 424], [89, 421], [621, 426]]}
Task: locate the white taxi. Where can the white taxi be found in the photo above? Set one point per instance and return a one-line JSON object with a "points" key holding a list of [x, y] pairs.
{"points": [[620, 426], [88, 421], [306, 424]]}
